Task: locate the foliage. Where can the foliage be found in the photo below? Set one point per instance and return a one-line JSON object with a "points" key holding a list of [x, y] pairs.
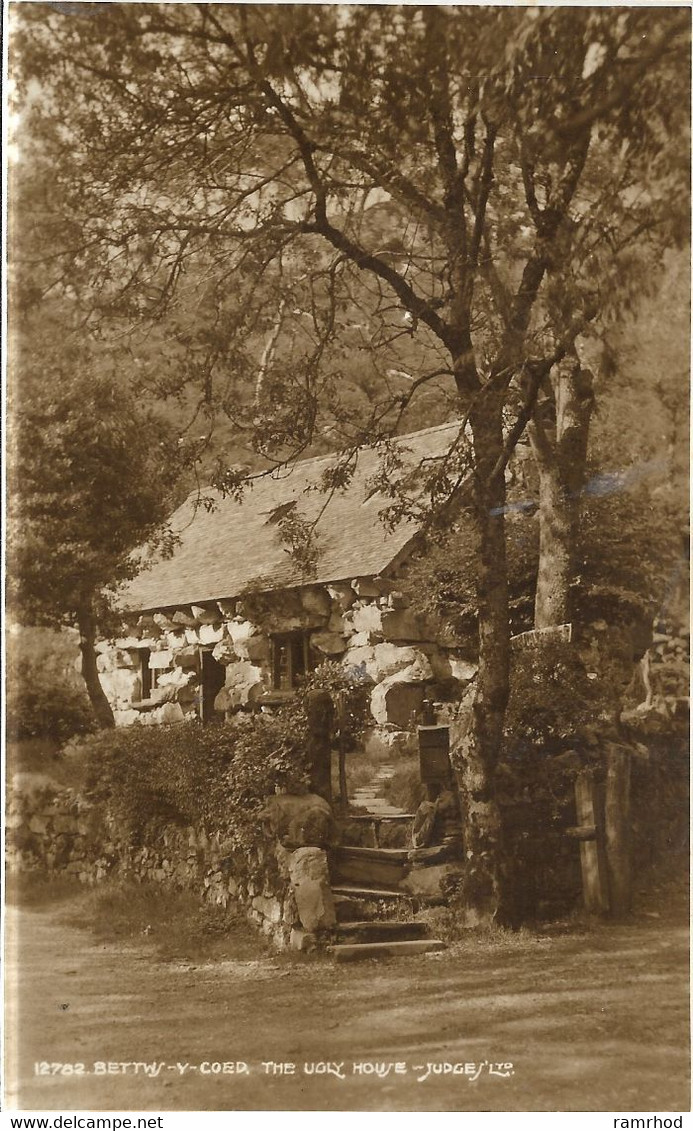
{"points": [[350, 698], [631, 550], [90, 473], [629, 557], [642, 364], [441, 581], [216, 776], [376, 183], [45, 698], [553, 699], [44, 702]]}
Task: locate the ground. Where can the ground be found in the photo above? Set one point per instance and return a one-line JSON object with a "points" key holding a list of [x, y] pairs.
{"points": [[582, 1017]]}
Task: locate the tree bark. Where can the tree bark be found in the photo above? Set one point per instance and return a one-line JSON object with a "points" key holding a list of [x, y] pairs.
{"points": [[482, 893], [561, 466], [87, 640]]}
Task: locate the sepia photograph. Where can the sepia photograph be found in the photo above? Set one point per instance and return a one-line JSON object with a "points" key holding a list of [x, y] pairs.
{"points": [[346, 648]]}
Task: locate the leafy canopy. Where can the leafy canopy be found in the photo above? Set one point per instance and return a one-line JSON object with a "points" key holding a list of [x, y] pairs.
{"points": [[379, 204], [90, 475]]}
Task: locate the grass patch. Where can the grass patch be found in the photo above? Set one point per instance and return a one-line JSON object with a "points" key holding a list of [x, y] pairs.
{"points": [[33, 890], [444, 924], [178, 923], [405, 789]]}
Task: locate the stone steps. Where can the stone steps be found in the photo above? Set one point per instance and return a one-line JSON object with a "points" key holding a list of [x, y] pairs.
{"points": [[369, 867], [352, 952], [375, 930], [370, 796], [360, 891], [375, 914]]}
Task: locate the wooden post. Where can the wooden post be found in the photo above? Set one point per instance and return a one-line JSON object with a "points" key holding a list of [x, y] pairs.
{"points": [[594, 879], [343, 789], [319, 746], [617, 828]]}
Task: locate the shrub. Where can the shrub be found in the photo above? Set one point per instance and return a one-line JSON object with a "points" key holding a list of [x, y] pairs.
{"points": [[216, 776], [352, 694]]}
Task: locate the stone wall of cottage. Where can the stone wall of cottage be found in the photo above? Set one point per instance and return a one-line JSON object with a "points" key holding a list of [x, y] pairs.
{"points": [[365, 625]]}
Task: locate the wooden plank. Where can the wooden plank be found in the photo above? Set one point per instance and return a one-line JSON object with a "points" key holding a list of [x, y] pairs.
{"points": [[358, 891], [617, 829], [594, 880], [582, 832], [535, 637], [352, 952]]}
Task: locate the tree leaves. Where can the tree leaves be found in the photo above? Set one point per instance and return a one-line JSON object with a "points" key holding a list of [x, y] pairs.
{"points": [[90, 478]]}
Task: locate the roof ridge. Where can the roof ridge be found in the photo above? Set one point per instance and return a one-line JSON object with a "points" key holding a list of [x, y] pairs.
{"points": [[267, 474]]}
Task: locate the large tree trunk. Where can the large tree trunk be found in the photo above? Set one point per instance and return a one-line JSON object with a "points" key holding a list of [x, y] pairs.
{"points": [[87, 640], [482, 892], [561, 466]]}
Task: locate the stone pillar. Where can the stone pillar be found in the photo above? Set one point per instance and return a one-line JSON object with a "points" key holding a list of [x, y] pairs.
{"points": [[310, 881]]}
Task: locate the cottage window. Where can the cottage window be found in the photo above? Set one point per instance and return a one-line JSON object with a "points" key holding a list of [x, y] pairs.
{"points": [[292, 659]]}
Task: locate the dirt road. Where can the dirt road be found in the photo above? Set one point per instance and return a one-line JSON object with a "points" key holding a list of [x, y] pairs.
{"points": [[589, 1022]]}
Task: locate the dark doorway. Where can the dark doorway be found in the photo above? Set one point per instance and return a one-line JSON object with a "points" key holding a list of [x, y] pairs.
{"points": [[145, 673], [213, 679]]}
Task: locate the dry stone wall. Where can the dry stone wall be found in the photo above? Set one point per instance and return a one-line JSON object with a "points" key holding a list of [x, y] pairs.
{"points": [[283, 887]]}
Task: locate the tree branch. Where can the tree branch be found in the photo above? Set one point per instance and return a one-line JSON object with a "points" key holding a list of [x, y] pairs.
{"points": [[586, 118], [389, 179], [439, 102], [485, 186], [363, 259], [538, 370]]}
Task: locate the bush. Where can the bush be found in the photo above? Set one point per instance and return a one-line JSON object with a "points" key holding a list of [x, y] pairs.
{"points": [[186, 774], [217, 777]]}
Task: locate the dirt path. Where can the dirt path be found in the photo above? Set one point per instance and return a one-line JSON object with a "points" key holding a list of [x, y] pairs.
{"points": [[593, 1022]]}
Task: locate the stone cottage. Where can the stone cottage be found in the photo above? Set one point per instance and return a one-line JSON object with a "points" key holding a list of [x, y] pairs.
{"points": [[229, 622]]}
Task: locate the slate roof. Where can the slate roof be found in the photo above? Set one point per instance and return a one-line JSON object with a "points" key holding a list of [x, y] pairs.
{"points": [[234, 547]]}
